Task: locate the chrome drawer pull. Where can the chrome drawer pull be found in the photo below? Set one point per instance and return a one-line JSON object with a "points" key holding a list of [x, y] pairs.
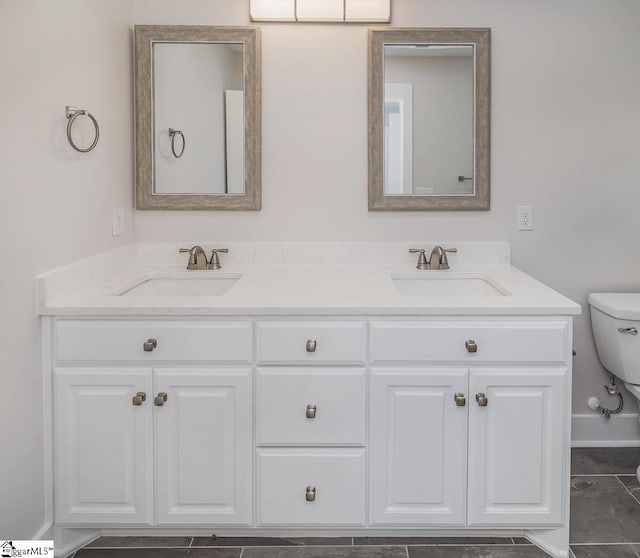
{"points": [[311, 411], [471, 346], [460, 399], [482, 400], [159, 400], [149, 345], [629, 330], [311, 493], [311, 345], [139, 398]]}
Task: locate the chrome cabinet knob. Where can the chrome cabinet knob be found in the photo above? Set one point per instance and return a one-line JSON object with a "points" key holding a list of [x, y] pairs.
{"points": [[482, 400], [311, 411], [139, 398], [149, 345], [471, 346], [460, 399], [311, 494], [311, 345], [159, 400]]}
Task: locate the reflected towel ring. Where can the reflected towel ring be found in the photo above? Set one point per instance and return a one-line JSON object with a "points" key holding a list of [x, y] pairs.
{"points": [[72, 114], [172, 134]]}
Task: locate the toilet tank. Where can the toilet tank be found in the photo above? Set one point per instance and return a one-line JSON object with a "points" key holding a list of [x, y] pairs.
{"points": [[615, 319]]}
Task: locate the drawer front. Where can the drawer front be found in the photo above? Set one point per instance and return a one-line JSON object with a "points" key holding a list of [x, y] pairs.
{"points": [[496, 341], [311, 486], [311, 342], [311, 406], [108, 341]]}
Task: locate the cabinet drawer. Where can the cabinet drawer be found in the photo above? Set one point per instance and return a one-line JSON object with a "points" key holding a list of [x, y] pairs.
{"points": [[333, 478], [311, 342], [496, 341], [310, 406], [108, 341]]}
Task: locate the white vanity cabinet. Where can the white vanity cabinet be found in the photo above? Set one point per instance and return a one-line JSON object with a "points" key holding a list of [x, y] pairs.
{"points": [[166, 443], [311, 402], [478, 441], [339, 423]]}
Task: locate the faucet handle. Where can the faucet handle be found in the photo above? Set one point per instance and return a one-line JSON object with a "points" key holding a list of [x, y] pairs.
{"points": [[444, 262], [422, 259], [214, 262]]}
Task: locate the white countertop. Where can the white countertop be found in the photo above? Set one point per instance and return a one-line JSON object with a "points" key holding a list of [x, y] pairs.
{"points": [[292, 286]]}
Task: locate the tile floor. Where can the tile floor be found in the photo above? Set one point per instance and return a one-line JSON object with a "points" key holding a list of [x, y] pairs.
{"points": [[605, 523]]}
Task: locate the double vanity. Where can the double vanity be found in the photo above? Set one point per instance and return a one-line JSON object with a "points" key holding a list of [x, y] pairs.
{"points": [[300, 389]]}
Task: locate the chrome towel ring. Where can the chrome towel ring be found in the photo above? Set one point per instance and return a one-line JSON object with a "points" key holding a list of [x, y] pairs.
{"points": [[72, 114], [172, 134]]}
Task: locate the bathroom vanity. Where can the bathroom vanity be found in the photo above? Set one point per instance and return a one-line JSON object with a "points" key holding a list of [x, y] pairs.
{"points": [[329, 399]]}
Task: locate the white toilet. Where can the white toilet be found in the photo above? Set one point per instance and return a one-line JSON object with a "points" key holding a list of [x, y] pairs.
{"points": [[615, 319]]}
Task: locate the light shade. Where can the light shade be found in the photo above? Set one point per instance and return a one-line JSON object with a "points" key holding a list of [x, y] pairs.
{"points": [[352, 11], [320, 10], [367, 10], [272, 10]]}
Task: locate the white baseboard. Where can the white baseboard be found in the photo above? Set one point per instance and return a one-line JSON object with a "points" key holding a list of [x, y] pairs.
{"points": [[594, 430], [67, 541], [44, 534]]}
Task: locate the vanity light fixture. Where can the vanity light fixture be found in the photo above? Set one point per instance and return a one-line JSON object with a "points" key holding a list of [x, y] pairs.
{"points": [[345, 11]]}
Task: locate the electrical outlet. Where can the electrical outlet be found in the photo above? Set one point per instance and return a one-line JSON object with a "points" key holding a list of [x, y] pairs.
{"points": [[117, 221], [525, 218]]}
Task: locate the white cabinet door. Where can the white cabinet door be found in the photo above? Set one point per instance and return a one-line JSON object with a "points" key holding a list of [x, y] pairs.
{"points": [[204, 446], [103, 452], [517, 446], [418, 446]]}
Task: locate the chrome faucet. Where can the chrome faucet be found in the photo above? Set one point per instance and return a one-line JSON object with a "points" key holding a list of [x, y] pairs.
{"points": [[437, 259], [197, 257]]}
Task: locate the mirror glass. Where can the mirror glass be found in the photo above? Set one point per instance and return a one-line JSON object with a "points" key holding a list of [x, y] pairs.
{"points": [[198, 120], [429, 119]]}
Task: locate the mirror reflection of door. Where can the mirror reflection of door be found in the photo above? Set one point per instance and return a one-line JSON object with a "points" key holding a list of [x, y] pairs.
{"points": [[398, 138], [429, 119], [198, 89]]}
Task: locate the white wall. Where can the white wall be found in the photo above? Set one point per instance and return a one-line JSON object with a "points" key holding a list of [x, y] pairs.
{"points": [[565, 120], [56, 203]]}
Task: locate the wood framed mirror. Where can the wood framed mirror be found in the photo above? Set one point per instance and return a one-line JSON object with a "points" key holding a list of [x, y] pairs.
{"points": [[429, 119], [198, 117]]}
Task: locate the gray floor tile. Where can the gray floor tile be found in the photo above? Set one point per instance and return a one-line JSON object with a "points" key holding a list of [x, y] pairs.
{"points": [[511, 551], [431, 541], [602, 511], [140, 542], [325, 552], [271, 541], [607, 551], [159, 553], [214, 553], [132, 553], [604, 461], [632, 484]]}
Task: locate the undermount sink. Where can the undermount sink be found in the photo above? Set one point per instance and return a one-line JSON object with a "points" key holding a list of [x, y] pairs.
{"points": [[446, 284], [183, 284]]}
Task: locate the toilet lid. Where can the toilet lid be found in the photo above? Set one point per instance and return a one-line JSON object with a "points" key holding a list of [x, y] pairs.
{"points": [[624, 306]]}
